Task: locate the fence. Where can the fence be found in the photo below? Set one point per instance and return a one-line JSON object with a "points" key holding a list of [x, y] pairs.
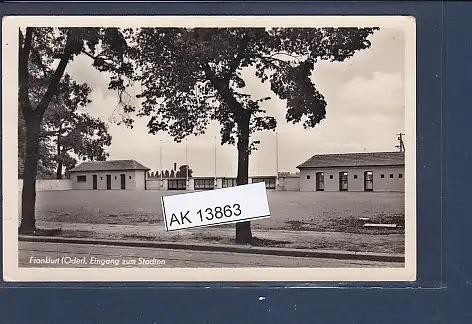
{"points": [[206, 183]]}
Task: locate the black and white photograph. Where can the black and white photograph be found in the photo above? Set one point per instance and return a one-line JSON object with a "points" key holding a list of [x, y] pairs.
{"points": [[209, 148]]}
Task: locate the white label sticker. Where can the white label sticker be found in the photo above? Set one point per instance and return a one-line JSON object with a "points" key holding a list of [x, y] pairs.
{"points": [[215, 207]]}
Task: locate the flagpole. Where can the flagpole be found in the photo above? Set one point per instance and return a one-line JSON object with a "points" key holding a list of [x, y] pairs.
{"points": [[186, 161], [215, 157], [160, 159], [277, 158]]}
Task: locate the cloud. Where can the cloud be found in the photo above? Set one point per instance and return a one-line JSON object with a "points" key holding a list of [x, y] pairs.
{"points": [[382, 92]]}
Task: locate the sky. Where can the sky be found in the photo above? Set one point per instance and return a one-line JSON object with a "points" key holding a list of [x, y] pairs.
{"points": [[365, 110]]}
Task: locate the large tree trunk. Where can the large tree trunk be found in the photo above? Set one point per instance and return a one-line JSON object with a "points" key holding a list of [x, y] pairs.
{"points": [[59, 170], [243, 229], [28, 197], [59, 159], [33, 119]]}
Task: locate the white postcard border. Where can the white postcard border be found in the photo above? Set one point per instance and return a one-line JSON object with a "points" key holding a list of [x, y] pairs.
{"points": [[12, 272]]}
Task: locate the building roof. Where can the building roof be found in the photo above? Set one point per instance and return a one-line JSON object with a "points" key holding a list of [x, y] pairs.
{"points": [[112, 165], [355, 160]]}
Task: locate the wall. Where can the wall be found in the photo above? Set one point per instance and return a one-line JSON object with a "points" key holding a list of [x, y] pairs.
{"points": [[219, 183], [289, 183], [388, 184], [131, 178], [49, 184], [190, 184], [379, 184], [139, 180], [153, 184]]}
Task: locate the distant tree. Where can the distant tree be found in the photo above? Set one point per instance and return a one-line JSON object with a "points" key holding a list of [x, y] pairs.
{"points": [[157, 174], [182, 172], [199, 73], [166, 174], [172, 174], [72, 131], [151, 175]]}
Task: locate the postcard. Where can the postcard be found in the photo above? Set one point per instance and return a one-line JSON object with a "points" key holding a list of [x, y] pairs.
{"points": [[209, 148]]}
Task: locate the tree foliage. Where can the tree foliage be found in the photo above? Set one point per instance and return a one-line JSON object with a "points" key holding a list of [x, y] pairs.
{"points": [[182, 172], [68, 132], [190, 76]]}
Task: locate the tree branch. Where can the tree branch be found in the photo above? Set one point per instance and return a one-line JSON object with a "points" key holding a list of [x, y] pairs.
{"points": [[296, 57], [98, 58], [224, 90], [271, 59], [37, 57], [23, 74], [56, 77], [239, 56]]}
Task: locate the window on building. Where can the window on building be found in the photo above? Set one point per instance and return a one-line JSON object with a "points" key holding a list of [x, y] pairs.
{"points": [[355, 176], [391, 175], [82, 178], [343, 181], [400, 175], [382, 176], [308, 177], [269, 182], [331, 176], [176, 184], [204, 184], [130, 177], [101, 178], [229, 182], [319, 181], [115, 177]]}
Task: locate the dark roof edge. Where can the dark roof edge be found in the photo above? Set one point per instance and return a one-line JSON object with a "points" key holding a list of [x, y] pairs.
{"points": [[349, 166], [127, 169]]}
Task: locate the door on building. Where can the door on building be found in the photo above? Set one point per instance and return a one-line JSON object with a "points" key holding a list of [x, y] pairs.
{"points": [[343, 181], [94, 181], [319, 181], [123, 181], [108, 181], [368, 181]]}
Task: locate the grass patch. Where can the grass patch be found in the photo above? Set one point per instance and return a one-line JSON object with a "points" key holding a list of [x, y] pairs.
{"points": [[268, 243], [296, 225], [46, 232], [355, 225], [231, 241], [78, 234]]}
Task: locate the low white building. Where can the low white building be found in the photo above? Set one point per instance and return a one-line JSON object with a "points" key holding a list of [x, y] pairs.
{"points": [[378, 171], [109, 175]]}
